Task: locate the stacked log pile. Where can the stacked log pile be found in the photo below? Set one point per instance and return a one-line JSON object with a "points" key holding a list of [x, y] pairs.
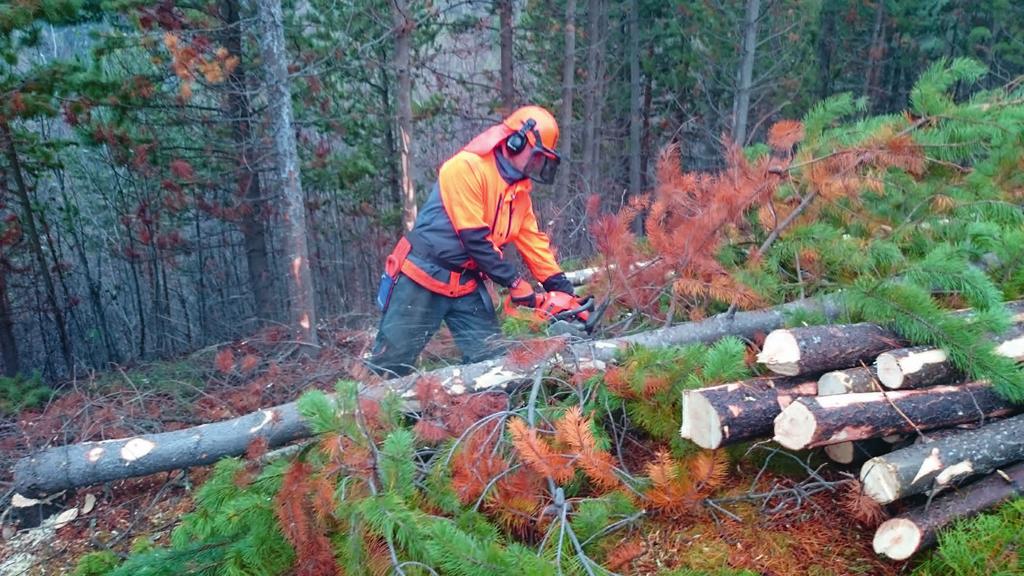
{"points": [[916, 426]]}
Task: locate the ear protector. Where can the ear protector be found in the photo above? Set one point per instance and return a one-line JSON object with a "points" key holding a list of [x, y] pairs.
{"points": [[517, 141]]}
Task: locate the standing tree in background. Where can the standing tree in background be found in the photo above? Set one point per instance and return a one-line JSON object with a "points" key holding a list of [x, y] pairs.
{"points": [[592, 95], [741, 104], [635, 104], [279, 107], [565, 119], [508, 85], [403, 29]]}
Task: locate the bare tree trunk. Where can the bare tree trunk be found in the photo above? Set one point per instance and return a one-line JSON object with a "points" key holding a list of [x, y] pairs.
{"points": [[508, 85], [403, 26], [239, 114], [590, 102], [875, 53], [279, 104], [29, 221], [8, 344], [568, 93], [741, 108], [634, 101]]}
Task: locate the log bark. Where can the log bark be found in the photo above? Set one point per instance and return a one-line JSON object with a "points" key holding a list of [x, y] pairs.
{"points": [[901, 537], [822, 420], [922, 366], [730, 413], [931, 467], [816, 349], [61, 468], [849, 381]]}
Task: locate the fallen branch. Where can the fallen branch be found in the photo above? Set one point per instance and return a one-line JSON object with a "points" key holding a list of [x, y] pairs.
{"points": [[88, 463]]}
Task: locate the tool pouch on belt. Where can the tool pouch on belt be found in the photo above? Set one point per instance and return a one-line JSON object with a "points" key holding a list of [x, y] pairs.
{"points": [[392, 267]]}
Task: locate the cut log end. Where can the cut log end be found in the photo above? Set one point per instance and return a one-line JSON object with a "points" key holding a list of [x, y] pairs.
{"points": [[842, 453], [701, 423], [794, 427], [833, 383], [898, 538], [889, 373], [781, 353], [880, 482]]}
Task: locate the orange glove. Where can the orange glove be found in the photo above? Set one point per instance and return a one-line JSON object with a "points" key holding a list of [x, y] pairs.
{"points": [[522, 294]]}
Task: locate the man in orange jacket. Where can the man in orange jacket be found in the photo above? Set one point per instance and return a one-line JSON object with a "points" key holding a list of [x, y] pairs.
{"points": [[480, 203]]}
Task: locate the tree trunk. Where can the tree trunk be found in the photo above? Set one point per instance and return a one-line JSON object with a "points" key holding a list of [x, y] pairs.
{"points": [[826, 46], [730, 413], [901, 537], [849, 381], [811, 422], [934, 466], [875, 52], [279, 103], [247, 178], [795, 351], [745, 75], [816, 349], [590, 96], [87, 463], [568, 93], [922, 366], [634, 105], [508, 86], [403, 26], [28, 219], [8, 343]]}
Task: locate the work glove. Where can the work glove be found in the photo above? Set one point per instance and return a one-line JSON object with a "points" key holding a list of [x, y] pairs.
{"points": [[522, 294], [558, 283]]}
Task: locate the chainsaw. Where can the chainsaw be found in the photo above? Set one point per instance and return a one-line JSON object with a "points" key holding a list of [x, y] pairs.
{"points": [[566, 314]]}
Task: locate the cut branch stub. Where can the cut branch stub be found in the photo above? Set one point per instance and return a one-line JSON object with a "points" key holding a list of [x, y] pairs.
{"points": [[849, 381], [816, 349], [939, 464], [729, 413], [821, 420], [901, 537]]}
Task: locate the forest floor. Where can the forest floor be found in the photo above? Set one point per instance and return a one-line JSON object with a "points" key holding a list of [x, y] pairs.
{"points": [[813, 536]]}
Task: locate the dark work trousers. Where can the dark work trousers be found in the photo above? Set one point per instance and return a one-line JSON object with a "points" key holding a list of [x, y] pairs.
{"points": [[414, 314]]}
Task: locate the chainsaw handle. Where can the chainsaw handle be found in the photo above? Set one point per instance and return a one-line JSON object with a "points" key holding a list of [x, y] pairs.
{"points": [[586, 305]]}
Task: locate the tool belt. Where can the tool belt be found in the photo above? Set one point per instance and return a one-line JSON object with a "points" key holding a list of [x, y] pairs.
{"points": [[446, 280]]}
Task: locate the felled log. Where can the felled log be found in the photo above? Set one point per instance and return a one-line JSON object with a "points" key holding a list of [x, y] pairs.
{"points": [[820, 420], [729, 413], [816, 349], [64, 467], [939, 464], [901, 537], [857, 452], [921, 366], [849, 381]]}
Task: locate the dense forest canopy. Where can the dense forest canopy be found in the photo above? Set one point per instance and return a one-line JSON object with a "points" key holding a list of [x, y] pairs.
{"points": [[141, 215]]}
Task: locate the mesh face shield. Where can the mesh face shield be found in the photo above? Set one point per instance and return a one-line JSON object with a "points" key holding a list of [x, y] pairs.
{"points": [[542, 165]]}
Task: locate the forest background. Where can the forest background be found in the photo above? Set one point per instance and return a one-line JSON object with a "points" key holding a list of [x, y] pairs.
{"points": [[140, 216]]}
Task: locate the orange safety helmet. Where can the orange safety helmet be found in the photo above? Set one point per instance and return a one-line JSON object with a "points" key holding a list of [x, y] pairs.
{"points": [[544, 123]]}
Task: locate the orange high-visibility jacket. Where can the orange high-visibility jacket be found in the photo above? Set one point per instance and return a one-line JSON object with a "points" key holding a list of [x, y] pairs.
{"points": [[476, 208]]}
